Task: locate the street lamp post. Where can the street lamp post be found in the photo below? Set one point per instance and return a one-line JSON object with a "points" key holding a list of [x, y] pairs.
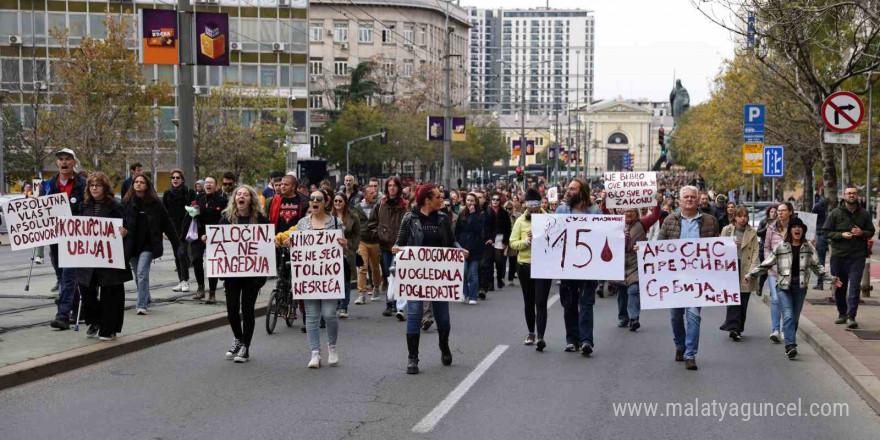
{"points": [[3, 94]]}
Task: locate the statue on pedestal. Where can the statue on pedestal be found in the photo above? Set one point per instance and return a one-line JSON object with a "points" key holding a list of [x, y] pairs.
{"points": [[679, 101]]}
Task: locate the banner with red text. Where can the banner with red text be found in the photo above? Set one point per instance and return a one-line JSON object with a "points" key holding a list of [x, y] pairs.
{"points": [[31, 221], [630, 189], [90, 242], [577, 247], [430, 273], [317, 265], [688, 273], [234, 251]]}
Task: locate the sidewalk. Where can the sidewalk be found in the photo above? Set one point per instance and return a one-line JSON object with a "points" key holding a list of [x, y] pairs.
{"points": [[855, 354]]}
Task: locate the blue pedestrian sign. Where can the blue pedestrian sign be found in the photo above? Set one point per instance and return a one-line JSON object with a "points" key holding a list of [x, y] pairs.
{"points": [[753, 123], [774, 161]]}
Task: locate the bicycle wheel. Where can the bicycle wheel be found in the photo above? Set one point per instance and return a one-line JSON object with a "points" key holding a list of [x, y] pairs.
{"points": [[272, 311], [290, 312]]}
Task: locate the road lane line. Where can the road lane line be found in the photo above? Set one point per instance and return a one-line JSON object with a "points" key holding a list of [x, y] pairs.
{"points": [[433, 418], [553, 300]]}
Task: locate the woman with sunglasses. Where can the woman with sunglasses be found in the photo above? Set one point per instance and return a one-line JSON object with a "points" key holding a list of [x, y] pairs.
{"points": [[469, 233], [147, 221], [352, 228], [176, 199], [426, 225], [535, 291], [315, 309]]}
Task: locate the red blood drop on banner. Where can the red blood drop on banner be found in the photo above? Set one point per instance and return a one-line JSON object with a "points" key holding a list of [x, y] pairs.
{"points": [[607, 255]]}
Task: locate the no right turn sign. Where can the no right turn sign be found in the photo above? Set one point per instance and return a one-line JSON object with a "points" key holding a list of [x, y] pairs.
{"points": [[842, 112]]}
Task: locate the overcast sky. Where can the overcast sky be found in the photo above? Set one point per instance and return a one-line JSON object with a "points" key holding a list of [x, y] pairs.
{"points": [[640, 43]]}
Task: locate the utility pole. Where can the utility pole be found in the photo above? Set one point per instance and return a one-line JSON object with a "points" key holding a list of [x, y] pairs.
{"points": [[557, 149], [3, 94], [446, 177], [522, 133], [568, 147], [577, 103], [185, 92]]}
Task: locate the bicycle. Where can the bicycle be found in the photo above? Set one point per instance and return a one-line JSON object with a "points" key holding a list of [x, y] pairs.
{"points": [[281, 303]]}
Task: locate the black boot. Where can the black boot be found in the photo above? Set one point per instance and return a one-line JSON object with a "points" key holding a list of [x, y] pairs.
{"points": [[445, 353], [412, 345]]}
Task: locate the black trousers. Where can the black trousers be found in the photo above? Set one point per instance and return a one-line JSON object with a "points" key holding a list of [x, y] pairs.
{"points": [[535, 295], [108, 311], [736, 315], [197, 251], [241, 294], [181, 261], [511, 268], [493, 260]]}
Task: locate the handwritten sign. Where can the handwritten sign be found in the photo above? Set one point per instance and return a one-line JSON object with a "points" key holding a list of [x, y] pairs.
{"points": [[430, 273], [810, 220], [90, 242], [317, 265], [688, 273], [553, 195], [577, 247], [630, 189], [32, 222], [235, 251]]}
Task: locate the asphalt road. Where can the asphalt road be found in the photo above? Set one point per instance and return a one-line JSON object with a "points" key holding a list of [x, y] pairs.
{"points": [[185, 389]]}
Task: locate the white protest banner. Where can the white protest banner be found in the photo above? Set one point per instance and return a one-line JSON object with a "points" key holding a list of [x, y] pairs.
{"points": [[317, 265], [630, 189], [90, 242], [234, 251], [688, 273], [430, 273], [31, 222], [810, 220], [577, 247], [553, 195]]}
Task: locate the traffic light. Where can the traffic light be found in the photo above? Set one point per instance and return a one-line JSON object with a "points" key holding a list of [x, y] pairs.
{"points": [[662, 141], [383, 138], [519, 174]]}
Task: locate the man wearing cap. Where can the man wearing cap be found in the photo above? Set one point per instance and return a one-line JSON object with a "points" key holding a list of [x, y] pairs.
{"points": [[74, 186]]}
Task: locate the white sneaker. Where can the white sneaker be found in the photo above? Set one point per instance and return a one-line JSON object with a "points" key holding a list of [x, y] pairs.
{"points": [[377, 295], [184, 286], [142, 312], [38, 260], [361, 298], [332, 356], [472, 302], [178, 287], [775, 337], [315, 362]]}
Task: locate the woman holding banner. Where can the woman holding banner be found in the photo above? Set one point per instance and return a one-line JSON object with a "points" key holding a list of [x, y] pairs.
{"points": [[104, 316], [794, 258], [352, 228], [241, 293], [146, 221], [535, 291], [776, 232], [426, 225], [315, 309], [577, 296], [747, 246], [469, 233]]}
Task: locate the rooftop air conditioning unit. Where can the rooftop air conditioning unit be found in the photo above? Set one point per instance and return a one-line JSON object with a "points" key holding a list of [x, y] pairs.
{"points": [[279, 47], [330, 32], [235, 47], [40, 85], [15, 40], [283, 2], [313, 78], [344, 46], [211, 2], [200, 90]]}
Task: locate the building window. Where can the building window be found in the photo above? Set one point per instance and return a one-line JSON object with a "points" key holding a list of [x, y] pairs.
{"points": [[340, 68], [365, 34], [316, 32], [316, 100], [340, 32], [408, 36], [421, 37], [315, 140], [386, 36], [407, 69], [316, 67], [389, 69]]}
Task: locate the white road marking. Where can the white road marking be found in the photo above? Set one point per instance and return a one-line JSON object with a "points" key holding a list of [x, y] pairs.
{"points": [[433, 418], [553, 300]]}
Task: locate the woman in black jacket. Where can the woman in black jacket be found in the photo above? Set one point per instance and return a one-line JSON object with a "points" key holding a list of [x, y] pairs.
{"points": [[242, 209], [146, 221], [469, 233], [426, 225], [496, 236], [176, 199], [208, 209], [103, 317]]}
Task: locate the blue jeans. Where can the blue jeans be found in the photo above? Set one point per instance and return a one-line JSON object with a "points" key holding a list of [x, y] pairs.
{"points": [[622, 302], [346, 286], [386, 258], [577, 298], [415, 310], [471, 279], [792, 302], [141, 266], [849, 270], [686, 339], [68, 294], [633, 305], [775, 314], [315, 309]]}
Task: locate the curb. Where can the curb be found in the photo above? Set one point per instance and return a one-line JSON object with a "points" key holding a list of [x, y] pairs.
{"points": [[853, 372], [43, 367]]}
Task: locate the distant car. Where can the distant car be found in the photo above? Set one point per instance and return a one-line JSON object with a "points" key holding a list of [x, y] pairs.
{"points": [[4, 199]]}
